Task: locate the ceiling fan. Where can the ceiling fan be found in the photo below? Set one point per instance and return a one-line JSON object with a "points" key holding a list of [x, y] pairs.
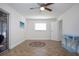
{"points": [[43, 6]]}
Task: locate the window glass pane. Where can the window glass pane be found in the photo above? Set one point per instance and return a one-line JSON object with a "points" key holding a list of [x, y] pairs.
{"points": [[40, 26]]}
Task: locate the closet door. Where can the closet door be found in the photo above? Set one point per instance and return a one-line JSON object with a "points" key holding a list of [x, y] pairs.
{"points": [[3, 31]]}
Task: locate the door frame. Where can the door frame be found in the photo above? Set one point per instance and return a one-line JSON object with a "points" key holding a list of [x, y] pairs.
{"points": [[7, 36]]}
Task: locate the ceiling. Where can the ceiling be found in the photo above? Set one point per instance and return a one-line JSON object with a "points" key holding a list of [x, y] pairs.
{"points": [[24, 9]]}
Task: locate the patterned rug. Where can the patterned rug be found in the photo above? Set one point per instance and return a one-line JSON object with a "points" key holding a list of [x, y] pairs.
{"points": [[37, 44]]}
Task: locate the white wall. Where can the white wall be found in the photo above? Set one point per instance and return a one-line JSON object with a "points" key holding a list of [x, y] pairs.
{"points": [[37, 35], [52, 32], [71, 21], [16, 34]]}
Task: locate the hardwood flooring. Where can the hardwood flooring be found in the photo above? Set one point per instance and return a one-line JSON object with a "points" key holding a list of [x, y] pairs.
{"points": [[51, 48]]}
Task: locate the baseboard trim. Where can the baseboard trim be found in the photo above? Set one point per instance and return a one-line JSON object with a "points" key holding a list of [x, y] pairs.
{"points": [[13, 46]]}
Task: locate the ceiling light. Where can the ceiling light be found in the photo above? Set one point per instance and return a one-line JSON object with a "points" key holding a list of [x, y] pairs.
{"points": [[42, 8]]}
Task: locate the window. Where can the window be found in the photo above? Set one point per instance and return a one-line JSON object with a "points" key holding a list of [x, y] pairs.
{"points": [[40, 26]]}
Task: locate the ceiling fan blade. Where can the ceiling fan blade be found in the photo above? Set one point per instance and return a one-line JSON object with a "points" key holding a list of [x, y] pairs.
{"points": [[44, 4], [41, 4], [48, 9], [32, 8], [47, 4]]}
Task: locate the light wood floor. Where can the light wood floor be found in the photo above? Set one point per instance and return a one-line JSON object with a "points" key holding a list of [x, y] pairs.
{"points": [[52, 48]]}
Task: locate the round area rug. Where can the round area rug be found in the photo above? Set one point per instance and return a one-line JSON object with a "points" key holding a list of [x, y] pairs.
{"points": [[37, 44]]}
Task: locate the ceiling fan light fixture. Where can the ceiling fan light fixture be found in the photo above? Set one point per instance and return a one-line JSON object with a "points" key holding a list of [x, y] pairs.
{"points": [[42, 8]]}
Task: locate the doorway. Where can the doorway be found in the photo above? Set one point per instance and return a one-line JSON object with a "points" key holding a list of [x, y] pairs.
{"points": [[4, 31], [56, 30]]}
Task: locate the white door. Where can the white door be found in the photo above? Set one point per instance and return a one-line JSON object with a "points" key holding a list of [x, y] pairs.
{"points": [[60, 30], [54, 31]]}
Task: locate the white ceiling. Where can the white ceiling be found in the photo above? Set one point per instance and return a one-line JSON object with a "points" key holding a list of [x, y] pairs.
{"points": [[24, 9]]}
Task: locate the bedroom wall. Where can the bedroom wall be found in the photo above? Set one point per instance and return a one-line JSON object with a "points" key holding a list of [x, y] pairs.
{"points": [[16, 34], [71, 20], [32, 34]]}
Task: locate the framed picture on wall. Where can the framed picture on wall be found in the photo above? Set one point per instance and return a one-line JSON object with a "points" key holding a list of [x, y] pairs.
{"points": [[21, 24]]}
